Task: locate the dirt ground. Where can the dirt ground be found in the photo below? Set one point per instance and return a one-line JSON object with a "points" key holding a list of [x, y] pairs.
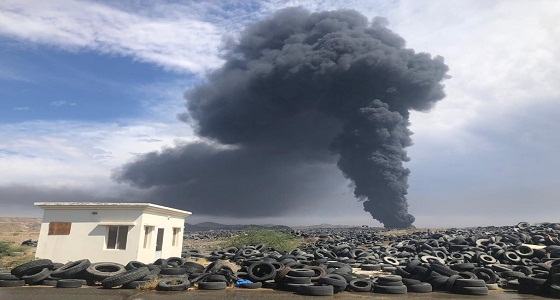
{"points": [[15, 231]]}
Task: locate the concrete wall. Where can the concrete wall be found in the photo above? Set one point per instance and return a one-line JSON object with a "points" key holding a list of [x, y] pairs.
{"points": [[88, 235], [156, 221]]}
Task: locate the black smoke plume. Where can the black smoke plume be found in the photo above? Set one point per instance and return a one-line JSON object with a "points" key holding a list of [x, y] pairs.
{"points": [[299, 91]]}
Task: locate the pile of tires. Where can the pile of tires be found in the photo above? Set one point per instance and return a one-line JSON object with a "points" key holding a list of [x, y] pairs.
{"points": [[473, 261]]}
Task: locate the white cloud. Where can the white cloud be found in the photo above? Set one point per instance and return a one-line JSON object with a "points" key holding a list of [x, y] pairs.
{"points": [[77, 154], [176, 42]]}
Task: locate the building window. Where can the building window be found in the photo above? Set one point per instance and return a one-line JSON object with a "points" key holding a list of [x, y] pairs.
{"points": [[148, 236], [59, 228], [116, 237], [176, 236], [159, 239]]}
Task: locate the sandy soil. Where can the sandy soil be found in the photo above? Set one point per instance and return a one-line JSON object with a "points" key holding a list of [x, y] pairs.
{"points": [[15, 231]]}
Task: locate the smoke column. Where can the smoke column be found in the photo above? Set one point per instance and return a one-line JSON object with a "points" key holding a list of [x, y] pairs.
{"points": [[296, 89]]}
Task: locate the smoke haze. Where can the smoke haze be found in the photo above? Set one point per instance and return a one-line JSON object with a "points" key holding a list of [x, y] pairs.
{"points": [[299, 92]]}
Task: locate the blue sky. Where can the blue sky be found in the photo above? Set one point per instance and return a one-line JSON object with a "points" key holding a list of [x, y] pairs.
{"points": [[85, 86]]}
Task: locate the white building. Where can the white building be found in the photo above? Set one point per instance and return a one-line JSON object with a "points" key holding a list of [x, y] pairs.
{"points": [[110, 232]]}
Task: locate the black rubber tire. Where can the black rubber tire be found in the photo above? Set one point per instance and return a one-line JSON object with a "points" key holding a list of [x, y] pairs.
{"points": [[102, 270], [512, 256], [390, 278], [32, 266], [216, 278], [468, 275], [49, 282], [262, 271], [451, 282], [485, 259], [318, 272], [409, 281], [341, 267], [391, 260], [131, 265], [297, 280], [281, 274], [301, 273], [35, 277], [470, 282], [124, 278], [529, 281], [555, 291], [70, 283], [269, 284], [192, 267], [214, 266], [338, 282], [438, 283], [486, 274], [401, 272], [360, 285], [443, 270], [254, 285], [160, 262], [512, 274], [462, 267], [212, 285], [154, 269], [492, 286], [470, 290], [72, 269], [173, 284], [173, 271], [316, 290], [384, 289], [370, 267], [177, 260], [8, 276], [422, 287], [411, 265], [12, 283]]}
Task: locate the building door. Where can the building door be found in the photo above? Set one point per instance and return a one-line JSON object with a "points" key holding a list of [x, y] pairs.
{"points": [[159, 242]]}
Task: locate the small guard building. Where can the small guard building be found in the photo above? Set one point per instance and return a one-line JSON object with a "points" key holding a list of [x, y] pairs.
{"points": [[110, 232]]}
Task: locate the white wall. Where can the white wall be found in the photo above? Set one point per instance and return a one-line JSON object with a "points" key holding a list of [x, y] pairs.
{"points": [[148, 255], [87, 239]]}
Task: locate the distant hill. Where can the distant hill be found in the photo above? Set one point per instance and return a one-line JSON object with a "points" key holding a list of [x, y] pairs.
{"points": [[205, 226], [326, 226], [16, 224]]}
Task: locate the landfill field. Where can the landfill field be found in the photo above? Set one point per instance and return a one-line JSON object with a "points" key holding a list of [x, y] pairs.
{"points": [[509, 262]]}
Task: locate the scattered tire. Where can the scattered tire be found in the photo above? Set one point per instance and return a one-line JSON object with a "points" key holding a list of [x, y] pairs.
{"points": [[360, 285], [419, 288], [262, 271], [70, 283], [134, 265], [126, 277], [12, 283], [316, 290], [173, 284], [35, 277], [212, 285], [71, 269], [32, 266], [384, 289], [102, 270]]}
